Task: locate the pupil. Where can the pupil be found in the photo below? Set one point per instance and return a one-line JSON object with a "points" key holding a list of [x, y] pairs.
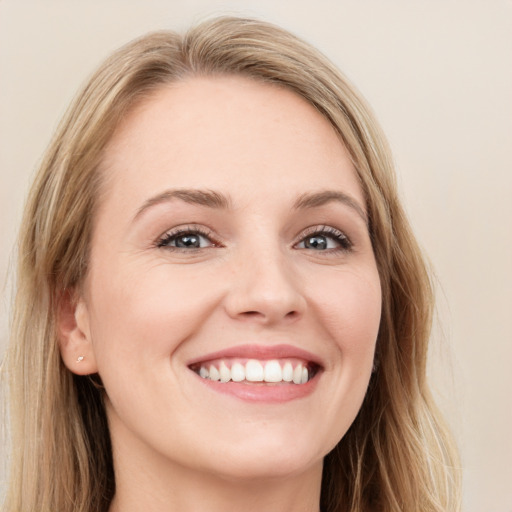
{"points": [[188, 241], [316, 242]]}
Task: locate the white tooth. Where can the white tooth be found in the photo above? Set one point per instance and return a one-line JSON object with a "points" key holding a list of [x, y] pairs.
{"points": [[225, 374], [288, 372], [237, 372], [297, 374], [273, 372], [203, 372], [304, 378], [253, 371], [214, 373]]}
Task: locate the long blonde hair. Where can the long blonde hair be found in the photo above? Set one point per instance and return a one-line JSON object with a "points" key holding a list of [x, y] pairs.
{"points": [[397, 455]]}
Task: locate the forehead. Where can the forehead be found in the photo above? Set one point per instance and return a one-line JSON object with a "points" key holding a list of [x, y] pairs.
{"points": [[229, 132]]}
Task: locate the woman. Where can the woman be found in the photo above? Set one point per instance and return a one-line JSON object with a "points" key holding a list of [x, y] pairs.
{"points": [[220, 303]]}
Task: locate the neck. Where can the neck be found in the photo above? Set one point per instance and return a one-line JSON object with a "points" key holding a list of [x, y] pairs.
{"points": [[164, 487], [194, 492]]}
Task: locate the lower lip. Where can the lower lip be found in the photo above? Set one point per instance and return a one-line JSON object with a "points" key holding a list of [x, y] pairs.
{"points": [[263, 392]]}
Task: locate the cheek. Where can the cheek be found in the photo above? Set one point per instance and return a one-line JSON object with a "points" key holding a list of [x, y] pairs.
{"points": [[142, 315], [349, 304], [348, 309]]}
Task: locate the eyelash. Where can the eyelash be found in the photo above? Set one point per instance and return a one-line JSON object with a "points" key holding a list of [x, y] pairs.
{"points": [[345, 245], [170, 236]]}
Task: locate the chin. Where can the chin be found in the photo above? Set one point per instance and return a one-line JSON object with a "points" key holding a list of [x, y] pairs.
{"points": [[273, 467], [268, 455]]}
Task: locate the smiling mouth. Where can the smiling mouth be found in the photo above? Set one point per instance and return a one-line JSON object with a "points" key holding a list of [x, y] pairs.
{"points": [[254, 371]]}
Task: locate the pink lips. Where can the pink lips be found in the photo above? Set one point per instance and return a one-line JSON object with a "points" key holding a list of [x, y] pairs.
{"points": [[262, 352], [262, 391]]}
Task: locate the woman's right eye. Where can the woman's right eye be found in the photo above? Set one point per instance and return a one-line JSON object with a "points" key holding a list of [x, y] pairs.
{"points": [[186, 240]]}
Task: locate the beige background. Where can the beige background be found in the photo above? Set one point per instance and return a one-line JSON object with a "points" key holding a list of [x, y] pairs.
{"points": [[439, 76]]}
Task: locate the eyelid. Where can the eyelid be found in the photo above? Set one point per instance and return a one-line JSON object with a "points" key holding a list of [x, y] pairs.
{"points": [[198, 229], [338, 234]]}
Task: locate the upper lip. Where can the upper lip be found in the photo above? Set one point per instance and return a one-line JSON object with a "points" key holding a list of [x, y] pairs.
{"points": [[262, 352]]}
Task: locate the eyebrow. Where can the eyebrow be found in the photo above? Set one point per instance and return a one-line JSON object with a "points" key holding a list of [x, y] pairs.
{"points": [[213, 199], [317, 199], [208, 198]]}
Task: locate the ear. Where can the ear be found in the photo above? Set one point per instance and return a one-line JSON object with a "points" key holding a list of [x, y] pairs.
{"points": [[74, 334]]}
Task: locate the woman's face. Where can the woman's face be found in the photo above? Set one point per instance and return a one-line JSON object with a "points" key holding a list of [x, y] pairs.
{"points": [[230, 243]]}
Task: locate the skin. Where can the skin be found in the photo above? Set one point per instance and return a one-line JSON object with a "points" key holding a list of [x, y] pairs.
{"points": [[147, 310]]}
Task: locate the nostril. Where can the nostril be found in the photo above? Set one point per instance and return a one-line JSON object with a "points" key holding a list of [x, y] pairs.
{"points": [[255, 314], [259, 303]]}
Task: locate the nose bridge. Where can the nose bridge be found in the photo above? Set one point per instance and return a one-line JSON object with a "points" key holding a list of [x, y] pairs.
{"points": [[265, 287]]}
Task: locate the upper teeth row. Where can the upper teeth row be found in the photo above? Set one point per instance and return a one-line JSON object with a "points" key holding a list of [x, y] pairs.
{"points": [[254, 371]]}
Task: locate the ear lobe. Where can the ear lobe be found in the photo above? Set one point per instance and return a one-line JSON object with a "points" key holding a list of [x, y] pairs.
{"points": [[74, 334]]}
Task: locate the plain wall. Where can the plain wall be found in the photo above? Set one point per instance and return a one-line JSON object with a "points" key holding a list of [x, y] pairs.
{"points": [[439, 77]]}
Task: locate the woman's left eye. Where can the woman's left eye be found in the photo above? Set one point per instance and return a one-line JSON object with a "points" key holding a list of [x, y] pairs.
{"points": [[186, 240], [324, 240]]}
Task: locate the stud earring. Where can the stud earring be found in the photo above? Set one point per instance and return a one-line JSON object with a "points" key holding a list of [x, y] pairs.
{"points": [[79, 359]]}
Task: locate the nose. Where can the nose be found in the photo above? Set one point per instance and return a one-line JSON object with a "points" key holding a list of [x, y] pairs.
{"points": [[265, 290]]}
